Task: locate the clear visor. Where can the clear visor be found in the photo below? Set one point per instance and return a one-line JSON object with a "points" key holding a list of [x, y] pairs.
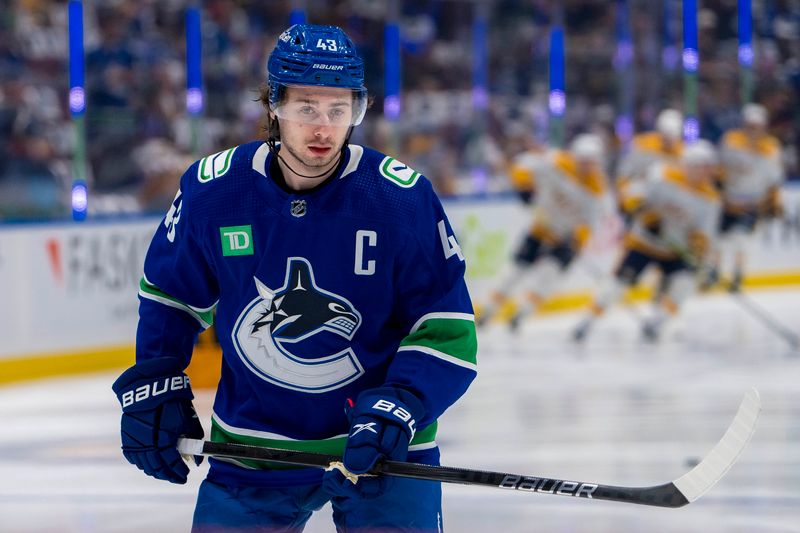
{"points": [[321, 106]]}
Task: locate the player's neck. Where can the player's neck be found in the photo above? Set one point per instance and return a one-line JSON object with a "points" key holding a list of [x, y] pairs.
{"points": [[754, 136], [283, 174], [298, 182]]}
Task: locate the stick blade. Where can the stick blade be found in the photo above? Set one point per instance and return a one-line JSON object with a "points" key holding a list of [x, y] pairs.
{"points": [[710, 470]]}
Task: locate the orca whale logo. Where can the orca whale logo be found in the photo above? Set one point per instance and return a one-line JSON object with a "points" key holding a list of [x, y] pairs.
{"points": [[275, 327]]}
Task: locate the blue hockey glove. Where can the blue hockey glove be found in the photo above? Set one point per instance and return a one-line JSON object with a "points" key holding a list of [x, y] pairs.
{"points": [[157, 408], [382, 423]]}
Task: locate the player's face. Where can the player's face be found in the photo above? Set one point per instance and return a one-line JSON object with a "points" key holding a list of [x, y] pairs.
{"points": [[314, 123], [754, 130], [700, 172], [587, 166]]}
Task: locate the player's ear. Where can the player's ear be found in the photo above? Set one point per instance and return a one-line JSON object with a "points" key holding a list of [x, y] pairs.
{"points": [[273, 127]]}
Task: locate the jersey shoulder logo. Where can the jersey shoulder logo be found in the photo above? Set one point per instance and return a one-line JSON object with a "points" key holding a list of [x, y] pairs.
{"points": [[399, 173], [215, 165], [280, 333]]}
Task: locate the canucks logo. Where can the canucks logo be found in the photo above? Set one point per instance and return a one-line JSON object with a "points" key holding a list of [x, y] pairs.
{"points": [[399, 173], [298, 336]]}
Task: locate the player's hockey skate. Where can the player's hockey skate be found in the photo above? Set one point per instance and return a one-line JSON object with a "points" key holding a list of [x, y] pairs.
{"points": [[710, 279], [651, 330], [580, 333], [736, 282]]}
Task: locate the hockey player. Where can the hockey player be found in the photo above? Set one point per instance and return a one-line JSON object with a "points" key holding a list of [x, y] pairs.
{"points": [[569, 191], [662, 145], [519, 167], [337, 289], [674, 214], [750, 186]]}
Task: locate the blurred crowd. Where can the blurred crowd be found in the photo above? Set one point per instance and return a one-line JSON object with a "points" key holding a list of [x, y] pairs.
{"points": [[139, 137]]}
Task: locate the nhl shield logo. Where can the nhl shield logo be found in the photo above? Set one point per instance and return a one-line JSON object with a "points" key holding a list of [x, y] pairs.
{"points": [[298, 208]]}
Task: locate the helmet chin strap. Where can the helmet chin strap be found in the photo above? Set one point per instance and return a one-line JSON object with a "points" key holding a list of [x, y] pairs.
{"points": [[274, 151]]}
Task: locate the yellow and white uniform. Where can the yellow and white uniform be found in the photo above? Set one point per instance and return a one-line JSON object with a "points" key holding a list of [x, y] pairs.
{"points": [[569, 196], [647, 150], [685, 213], [752, 175], [752, 171], [675, 214], [567, 204]]}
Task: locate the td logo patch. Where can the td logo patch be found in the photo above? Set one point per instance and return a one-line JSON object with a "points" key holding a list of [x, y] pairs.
{"points": [[236, 240]]}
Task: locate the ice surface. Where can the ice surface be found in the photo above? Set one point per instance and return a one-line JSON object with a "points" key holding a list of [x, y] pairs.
{"points": [[614, 410]]}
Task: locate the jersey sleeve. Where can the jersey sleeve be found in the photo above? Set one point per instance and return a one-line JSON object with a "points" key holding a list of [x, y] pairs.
{"points": [[178, 291], [522, 171], [599, 203], [633, 195], [634, 165], [775, 172], [437, 358], [708, 223]]}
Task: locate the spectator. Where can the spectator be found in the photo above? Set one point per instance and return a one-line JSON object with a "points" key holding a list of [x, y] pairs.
{"points": [[135, 76]]}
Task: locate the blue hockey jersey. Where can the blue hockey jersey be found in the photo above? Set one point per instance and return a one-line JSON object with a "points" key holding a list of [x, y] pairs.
{"points": [[315, 295]]}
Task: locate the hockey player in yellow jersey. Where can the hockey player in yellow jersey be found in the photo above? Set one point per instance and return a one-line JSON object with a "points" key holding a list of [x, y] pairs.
{"points": [[662, 145], [674, 215], [569, 193], [751, 179]]}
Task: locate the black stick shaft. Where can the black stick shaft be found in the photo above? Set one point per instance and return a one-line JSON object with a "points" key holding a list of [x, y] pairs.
{"points": [[666, 495], [769, 321]]}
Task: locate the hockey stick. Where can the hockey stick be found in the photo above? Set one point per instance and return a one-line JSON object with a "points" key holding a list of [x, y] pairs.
{"points": [[768, 320], [677, 493]]}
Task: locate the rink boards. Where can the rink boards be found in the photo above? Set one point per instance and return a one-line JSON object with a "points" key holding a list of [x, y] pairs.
{"points": [[70, 289]]}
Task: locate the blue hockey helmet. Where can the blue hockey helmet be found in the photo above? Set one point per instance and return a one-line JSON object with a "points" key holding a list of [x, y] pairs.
{"points": [[320, 56]]}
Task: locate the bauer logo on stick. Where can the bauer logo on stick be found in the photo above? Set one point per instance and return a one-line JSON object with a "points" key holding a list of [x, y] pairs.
{"points": [[550, 486]]}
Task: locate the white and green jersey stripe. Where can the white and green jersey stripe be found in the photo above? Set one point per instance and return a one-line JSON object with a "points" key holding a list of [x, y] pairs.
{"points": [[447, 336], [222, 432], [205, 316]]}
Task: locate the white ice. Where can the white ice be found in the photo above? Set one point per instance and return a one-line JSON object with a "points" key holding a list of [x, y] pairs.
{"points": [[615, 410]]}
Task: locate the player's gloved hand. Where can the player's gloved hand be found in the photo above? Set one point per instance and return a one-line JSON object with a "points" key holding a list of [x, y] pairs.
{"points": [[580, 236], [698, 245], [382, 423], [651, 221], [776, 211], [157, 408], [772, 209], [526, 196]]}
